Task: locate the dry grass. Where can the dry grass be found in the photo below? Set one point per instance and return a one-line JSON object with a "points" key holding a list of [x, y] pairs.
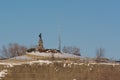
{"points": [[57, 71], [14, 61]]}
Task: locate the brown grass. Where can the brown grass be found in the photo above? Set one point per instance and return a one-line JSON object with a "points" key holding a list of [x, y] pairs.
{"points": [[56, 71]]}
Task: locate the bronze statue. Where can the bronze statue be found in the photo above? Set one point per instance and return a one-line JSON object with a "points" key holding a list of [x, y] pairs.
{"points": [[40, 36]]}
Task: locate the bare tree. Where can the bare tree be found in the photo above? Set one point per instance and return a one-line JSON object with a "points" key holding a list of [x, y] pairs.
{"points": [[13, 50], [71, 50], [4, 52]]}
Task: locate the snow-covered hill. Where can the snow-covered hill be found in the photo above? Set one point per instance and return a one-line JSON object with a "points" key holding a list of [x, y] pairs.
{"points": [[56, 55], [49, 55]]}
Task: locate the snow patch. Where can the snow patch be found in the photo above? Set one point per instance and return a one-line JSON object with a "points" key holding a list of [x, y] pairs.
{"points": [[56, 55], [3, 73], [40, 62], [64, 65], [56, 69], [24, 57], [7, 64]]}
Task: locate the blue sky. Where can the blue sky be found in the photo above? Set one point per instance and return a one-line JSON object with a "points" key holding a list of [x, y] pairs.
{"points": [[87, 24]]}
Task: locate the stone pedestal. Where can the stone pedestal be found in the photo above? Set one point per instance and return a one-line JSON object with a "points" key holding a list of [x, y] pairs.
{"points": [[40, 46]]}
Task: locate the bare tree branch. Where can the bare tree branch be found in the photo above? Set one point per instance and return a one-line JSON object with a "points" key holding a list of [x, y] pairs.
{"points": [[12, 50], [71, 50]]}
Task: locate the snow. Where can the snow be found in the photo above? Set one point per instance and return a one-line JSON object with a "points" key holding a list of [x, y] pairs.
{"points": [[69, 65], [40, 54], [12, 64], [65, 55], [24, 57], [3, 73], [56, 55], [40, 61], [64, 65], [7, 64], [56, 69], [109, 64]]}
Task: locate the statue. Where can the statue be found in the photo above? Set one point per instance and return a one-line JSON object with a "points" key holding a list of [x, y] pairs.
{"points": [[40, 47], [40, 36]]}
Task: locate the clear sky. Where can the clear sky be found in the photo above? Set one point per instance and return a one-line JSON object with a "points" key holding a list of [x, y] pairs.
{"points": [[87, 24]]}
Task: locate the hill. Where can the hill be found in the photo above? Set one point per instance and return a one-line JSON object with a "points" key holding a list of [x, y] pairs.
{"points": [[42, 66], [46, 56], [58, 70]]}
